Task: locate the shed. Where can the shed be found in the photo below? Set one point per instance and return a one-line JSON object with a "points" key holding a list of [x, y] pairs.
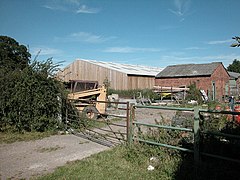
{"points": [[210, 77], [234, 84], [120, 76]]}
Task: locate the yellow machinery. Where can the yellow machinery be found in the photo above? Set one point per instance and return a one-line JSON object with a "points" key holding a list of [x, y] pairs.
{"points": [[85, 94]]}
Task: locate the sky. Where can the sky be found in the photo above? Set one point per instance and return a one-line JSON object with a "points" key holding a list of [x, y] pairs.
{"points": [[144, 32]]}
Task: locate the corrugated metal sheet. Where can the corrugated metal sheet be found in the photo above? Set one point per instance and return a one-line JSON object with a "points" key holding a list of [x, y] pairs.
{"points": [[127, 68], [234, 75], [189, 70]]}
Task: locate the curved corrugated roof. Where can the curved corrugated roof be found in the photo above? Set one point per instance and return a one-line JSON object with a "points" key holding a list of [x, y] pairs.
{"points": [[127, 68]]}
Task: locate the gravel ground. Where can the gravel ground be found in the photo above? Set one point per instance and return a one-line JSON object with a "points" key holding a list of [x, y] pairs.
{"points": [[22, 160]]}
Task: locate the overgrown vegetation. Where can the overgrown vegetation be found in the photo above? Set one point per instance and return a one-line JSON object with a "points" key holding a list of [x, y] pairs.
{"points": [[30, 97], [235, 66], [133, 162], [194, 94], [120, 163], [10, 137], [135, 93]]}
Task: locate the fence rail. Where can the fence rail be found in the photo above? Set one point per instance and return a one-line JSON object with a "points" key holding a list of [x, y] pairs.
{"points": [[196, 130]]}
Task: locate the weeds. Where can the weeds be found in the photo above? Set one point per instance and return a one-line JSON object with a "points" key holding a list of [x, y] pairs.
{"points": [[121, 162], [26, 136]]}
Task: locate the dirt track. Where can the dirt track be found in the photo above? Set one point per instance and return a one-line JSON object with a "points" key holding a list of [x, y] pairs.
{"points": [[26, 159]]}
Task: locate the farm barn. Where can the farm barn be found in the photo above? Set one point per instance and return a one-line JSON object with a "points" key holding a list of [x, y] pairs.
{"points": [[120, 76], [212, 78]]}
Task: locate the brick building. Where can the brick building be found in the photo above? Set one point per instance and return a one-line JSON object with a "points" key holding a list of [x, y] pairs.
{"points": [[213, 78]]}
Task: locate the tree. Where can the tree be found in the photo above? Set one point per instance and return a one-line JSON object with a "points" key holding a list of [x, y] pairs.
{"points": [[12, 55], [194, 93], [235, 66], [237, 43]]}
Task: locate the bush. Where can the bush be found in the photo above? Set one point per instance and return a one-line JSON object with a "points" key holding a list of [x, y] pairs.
{"points": [[31, 98], [194, 94], [135, 93]]}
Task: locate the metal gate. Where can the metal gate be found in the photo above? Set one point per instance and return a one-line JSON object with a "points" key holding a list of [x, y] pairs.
{"points": [[110, 128]]}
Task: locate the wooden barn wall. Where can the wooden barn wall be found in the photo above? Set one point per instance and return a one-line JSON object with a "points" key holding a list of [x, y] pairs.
{"points": [[140, 82], [82, 70]]}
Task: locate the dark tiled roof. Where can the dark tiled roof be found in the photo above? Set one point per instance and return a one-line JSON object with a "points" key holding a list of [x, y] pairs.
{"points": [[186, 70]]}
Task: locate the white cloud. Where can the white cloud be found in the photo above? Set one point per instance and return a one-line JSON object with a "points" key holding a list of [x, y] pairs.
{"points": [[181, 8], [87, 10], [220, 42], [73, 6], [84, 37], [45, 51], [130, 50], [55, 7], [194, 48], [87, 37], [225, 59]]}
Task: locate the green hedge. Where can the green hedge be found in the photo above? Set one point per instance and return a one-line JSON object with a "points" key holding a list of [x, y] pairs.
{"points": [[30, 99]]}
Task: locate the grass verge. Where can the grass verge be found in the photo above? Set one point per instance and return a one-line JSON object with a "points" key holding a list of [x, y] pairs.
{"points": [[120, 163], [27, 136], [132, 162]]}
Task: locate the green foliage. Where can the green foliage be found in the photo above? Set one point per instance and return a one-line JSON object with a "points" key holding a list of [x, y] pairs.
{"points": [[120, 162], [194, 94], [135, 93], [30, 98], [237, 43], [106, 83], [12, 55], [9, 137], [235, 66]]}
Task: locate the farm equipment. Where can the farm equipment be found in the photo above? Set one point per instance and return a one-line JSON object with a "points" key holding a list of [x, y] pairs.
{"points": [[85, 96]]}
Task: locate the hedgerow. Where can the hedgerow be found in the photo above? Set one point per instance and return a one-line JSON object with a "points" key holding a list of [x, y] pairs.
{"points": [[30, 97]]}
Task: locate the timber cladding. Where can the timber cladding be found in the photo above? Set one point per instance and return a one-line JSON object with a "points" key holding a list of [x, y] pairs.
{"points": [[85, 70]]}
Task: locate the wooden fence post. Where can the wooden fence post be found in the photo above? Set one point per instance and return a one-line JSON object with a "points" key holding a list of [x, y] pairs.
{"points": [[131, 119]]}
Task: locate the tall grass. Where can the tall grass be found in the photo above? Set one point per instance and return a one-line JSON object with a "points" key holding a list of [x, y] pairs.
{"points": [[120, 163]]}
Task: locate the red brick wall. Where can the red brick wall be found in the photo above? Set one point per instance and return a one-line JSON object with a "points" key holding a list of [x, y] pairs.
{"points": [[220, 76]]}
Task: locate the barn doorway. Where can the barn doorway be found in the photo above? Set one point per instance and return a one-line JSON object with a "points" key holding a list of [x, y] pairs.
{"points": [[213, 90]]}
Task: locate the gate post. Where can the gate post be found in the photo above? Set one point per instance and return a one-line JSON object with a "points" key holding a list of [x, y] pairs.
{"points": [[66, 119], [196, 130], [130, 124]]}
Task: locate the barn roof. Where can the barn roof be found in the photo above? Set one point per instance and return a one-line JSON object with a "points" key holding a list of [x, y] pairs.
{"points": [[234, 75], [127, 68], [186, 70]]}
